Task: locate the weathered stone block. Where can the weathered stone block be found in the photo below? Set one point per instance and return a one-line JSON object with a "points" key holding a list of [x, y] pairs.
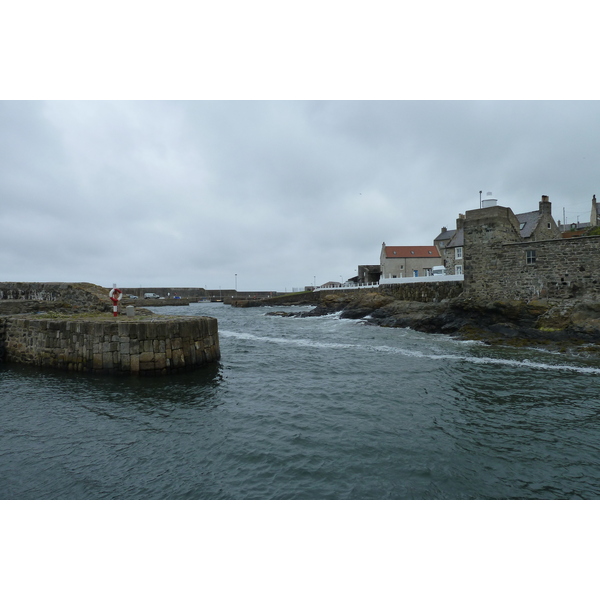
{"points": [[107, 360], [147, 366], [146, 357], [160, 360]]}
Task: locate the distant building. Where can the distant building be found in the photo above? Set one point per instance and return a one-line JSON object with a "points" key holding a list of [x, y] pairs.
{"points": [[331, 284], [450, 246], [594, 216], [579, 228], [443, 238], [368, 274], [408, 261]]}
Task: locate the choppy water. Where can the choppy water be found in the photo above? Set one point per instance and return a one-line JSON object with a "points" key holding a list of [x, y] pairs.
{"points": [[317, 408]]}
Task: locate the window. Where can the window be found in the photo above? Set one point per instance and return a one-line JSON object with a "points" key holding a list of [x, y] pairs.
{"points": [[458, 252], [530, 257], [458, 269]]}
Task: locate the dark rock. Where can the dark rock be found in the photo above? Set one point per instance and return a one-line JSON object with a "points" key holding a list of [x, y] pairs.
{"points": [[355, 313], [562, 324]]}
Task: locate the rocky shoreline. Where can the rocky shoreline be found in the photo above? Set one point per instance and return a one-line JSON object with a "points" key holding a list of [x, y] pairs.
{"points": [[559, 325]]}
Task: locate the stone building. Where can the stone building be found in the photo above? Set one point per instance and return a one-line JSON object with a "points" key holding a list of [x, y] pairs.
{"points": [[538, 224], [450, 245], [408, 261], [532, 226], [511, 258], [443, 238], [594, 215], [580, 227], [368, 274]]}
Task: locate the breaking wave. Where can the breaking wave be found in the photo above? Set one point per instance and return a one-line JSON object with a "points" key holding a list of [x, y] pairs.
{"points": [[309, 343]]}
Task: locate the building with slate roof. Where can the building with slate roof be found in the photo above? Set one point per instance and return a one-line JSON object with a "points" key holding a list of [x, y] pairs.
{"points": [[535, 225], [450, 246], [524, 257], [539, 224]]}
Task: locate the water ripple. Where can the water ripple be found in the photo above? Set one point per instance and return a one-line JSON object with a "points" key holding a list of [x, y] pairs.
{"points": [[310, 408]]}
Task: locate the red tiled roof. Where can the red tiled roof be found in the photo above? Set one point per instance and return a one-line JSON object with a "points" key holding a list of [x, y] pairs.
{"points": [[411, 252]]}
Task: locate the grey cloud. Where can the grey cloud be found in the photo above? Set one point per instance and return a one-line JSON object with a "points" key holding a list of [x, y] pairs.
{"points": [[190, 193]]}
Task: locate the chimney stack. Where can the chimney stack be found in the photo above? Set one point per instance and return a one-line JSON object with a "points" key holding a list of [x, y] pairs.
{"points": [[545, 205], [594, 217]]}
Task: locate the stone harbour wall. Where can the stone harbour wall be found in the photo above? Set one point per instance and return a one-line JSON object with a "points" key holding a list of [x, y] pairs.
{"points": [[156, 346], [2, 338], [500, 266], [23, 297], [423, 291], [551, 269]]}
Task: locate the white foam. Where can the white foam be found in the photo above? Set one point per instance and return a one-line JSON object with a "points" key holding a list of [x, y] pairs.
{"points": [[307, 343]]}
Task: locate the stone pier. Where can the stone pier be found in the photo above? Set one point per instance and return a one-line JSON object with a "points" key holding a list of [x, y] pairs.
{"points": [[108, 345]]}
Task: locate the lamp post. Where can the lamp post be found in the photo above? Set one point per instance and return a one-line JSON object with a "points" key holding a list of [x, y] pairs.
{"points": [[480, 192], [236, 282]]}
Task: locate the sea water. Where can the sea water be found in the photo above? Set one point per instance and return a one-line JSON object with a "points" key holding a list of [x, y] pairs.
{"points": [[310, 408]]}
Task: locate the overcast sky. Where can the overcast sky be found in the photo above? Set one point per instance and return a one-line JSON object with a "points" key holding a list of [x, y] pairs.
{"points": [[295, 190], [281, 193]]}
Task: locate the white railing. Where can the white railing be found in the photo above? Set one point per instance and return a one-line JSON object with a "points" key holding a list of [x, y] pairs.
{"points": [[426, 278], [347, 286], [392, 281]]}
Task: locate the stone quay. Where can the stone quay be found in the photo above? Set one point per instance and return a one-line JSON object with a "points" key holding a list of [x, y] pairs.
{"points": [[106, 345]]}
